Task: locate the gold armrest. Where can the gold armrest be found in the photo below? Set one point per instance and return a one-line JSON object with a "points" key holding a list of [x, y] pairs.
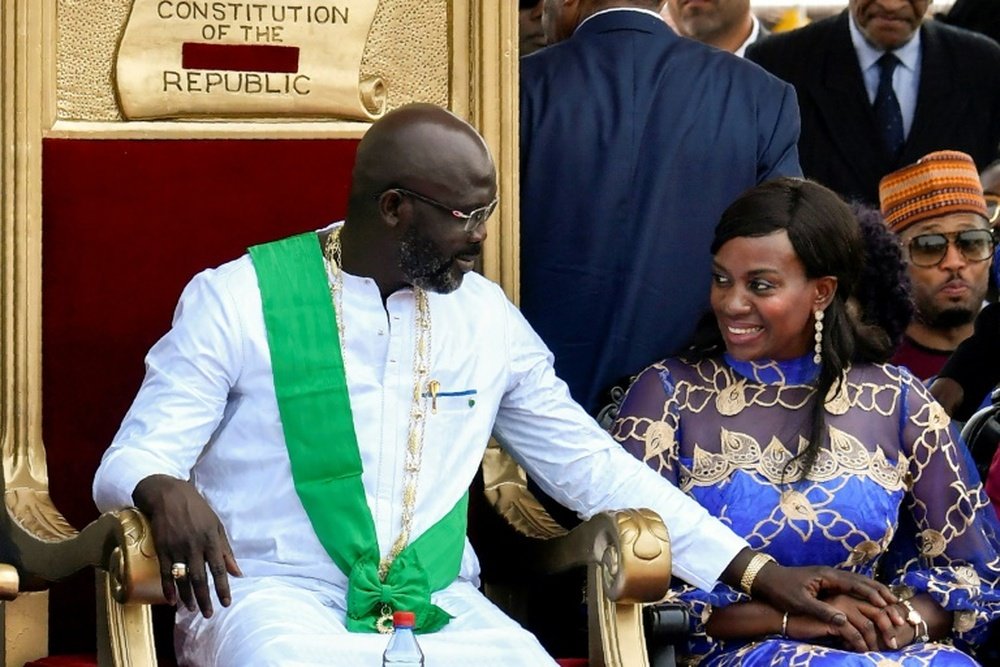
{"points": [[125, 590], [626, 554], [133, 568], [631, 548], [9, 582], [118, 545], [49, 549]]}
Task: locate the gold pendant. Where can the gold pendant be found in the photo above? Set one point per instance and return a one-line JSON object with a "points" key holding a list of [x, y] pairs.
{"points": [[384, 623]]}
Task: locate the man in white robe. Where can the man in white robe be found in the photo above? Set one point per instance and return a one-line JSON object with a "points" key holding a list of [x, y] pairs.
{"points": [[203, 452]]}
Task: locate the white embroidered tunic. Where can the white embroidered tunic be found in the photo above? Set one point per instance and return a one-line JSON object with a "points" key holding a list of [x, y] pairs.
{"points": [[207, 411]]}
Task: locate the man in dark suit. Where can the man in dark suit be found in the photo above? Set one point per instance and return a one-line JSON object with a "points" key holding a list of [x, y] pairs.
{"points": [[725, 24], [945, 81], [633, 142]]}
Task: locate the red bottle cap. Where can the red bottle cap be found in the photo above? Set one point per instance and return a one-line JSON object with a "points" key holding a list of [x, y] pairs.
{"points": [[403, 619]]}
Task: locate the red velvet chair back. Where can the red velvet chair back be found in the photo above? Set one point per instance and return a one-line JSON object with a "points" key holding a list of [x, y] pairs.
{"points": [[126, 224]]}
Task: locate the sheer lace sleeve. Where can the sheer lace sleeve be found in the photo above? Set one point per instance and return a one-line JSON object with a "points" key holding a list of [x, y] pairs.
{"points": [[947, 545], [648, 423], [648, 426]]}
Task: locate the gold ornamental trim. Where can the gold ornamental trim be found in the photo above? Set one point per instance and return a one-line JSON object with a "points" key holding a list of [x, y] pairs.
{"points": [[55, 54]]}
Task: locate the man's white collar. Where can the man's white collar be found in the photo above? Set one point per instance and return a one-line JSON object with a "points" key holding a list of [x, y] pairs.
{"points": [[620, 9]]}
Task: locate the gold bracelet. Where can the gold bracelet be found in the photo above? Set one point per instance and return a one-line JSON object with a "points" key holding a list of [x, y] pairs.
{"points": [[754, 567], [914, 618], [784, 625]]}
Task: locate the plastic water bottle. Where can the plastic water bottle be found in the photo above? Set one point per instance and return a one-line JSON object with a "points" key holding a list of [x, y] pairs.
{"points": [[403, 650]]}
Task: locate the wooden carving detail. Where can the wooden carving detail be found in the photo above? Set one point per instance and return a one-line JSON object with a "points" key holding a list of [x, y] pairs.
{"points": [[506, 487], [133, 568], [636, 558]]}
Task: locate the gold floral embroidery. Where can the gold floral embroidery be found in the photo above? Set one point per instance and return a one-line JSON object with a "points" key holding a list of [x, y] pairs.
{"points": [[932, 543], [774, 464], [706, 614], [659, 437], [864, 552], [931, 417], [964, 620], [732, 399], [848, 450], [740, 451], [967, 576], [797, 507], [939, 419], [888, 475], [709, 468], [837, 402]]}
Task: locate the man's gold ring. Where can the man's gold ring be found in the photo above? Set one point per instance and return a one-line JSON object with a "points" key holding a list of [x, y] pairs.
{"points": [[178, 570]]}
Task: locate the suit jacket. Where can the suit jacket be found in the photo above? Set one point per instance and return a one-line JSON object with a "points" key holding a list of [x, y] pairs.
{"points": [[958, 102], [633, 142]]}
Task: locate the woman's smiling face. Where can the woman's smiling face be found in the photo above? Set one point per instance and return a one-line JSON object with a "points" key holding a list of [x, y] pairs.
{"points": [[762, 299]]}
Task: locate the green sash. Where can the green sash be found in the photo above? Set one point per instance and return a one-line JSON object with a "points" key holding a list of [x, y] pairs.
{"points": [[311, 390]]}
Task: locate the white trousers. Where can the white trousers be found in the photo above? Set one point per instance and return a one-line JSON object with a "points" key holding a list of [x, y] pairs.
{"points": [[272, 622]]}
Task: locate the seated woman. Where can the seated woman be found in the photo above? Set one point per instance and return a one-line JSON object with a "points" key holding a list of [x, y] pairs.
{"points": [[868, 480]]}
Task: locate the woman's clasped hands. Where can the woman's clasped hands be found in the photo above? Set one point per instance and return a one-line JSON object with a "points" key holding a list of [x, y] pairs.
{"points": [[868, 627]]}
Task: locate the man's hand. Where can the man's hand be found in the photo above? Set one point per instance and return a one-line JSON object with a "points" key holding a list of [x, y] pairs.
{"points": [[800, 591], [868, 627], [186, 530]]}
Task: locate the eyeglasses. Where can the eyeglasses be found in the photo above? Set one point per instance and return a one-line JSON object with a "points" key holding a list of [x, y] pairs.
{"points": [[927, 250], [472, 219], [992, 208]]}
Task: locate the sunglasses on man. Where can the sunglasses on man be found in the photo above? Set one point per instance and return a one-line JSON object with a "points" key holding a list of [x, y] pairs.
{"points": [[927, 250]]}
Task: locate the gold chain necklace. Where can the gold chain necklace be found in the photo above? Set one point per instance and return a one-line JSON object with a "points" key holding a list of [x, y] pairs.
{"points": [[415, 437]]}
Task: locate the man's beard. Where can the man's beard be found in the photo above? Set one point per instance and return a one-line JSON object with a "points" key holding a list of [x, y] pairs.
{"points": [[944, 314], [947, 318], [424, 267]]}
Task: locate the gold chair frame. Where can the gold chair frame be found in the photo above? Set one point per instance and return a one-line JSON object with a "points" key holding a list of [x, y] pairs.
{"points": [[626, 553]]}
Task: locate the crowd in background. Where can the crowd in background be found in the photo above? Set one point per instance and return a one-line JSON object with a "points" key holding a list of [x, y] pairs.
{"points": [[635, 140]]}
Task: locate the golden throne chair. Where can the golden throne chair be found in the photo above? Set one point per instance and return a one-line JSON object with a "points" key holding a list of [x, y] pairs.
{"points": [[111, 215], [99, 347]]}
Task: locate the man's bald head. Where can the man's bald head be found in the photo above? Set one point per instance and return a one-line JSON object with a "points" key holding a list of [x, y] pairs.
{"points": [[421, 147]]}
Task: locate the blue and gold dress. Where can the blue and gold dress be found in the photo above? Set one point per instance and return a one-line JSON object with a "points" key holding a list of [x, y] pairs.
{"points": [[891, 495]]}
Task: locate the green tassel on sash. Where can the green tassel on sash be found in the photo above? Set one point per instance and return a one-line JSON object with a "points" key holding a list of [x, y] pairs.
{"points": [[311, 389]]}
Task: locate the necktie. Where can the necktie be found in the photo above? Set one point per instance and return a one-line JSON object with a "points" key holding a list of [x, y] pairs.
{"points": [[887, 113]]}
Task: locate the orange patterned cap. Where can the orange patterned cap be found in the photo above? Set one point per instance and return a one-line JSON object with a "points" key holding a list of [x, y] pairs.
{"points": [[940, 183]]}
